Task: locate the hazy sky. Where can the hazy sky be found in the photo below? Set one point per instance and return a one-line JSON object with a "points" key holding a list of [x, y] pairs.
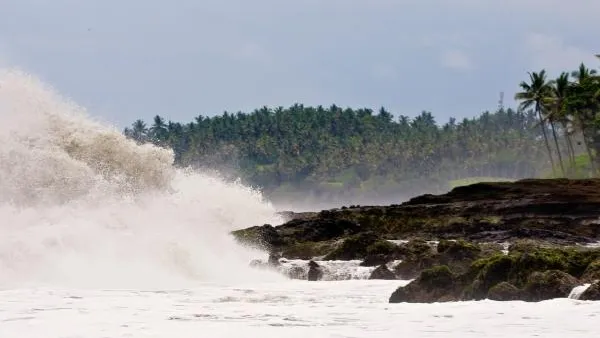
{"points": [[132, 59]]}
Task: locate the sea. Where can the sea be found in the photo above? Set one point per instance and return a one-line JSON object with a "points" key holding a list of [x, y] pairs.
{"points": [[104, 237]]}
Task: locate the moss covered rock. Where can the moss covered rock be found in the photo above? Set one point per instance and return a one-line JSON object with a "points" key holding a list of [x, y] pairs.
{"points": [[487, 273], [417, 255], [592, 272], [433, 285], [592, 293], [382, 272], [381, 252], [549, 285], [353, 247], [524, 259], [504, 291], [458, 255], [307, 250]]}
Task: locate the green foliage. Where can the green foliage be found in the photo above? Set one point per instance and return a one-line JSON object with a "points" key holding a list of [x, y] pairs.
{"points": [[382, 247], [353, 247], [524, 259], [592, 272], [344, 151], [439, 276], [581, 167], [352, 151], [307, 250], [459, 249], [568, 107]]}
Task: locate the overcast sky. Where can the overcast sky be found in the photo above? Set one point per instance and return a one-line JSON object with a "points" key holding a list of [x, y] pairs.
{"points": [[132, 59]]}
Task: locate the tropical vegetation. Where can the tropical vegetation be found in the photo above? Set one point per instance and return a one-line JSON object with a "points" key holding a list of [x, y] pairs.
{"points": [[568, 106], [335, 150]]}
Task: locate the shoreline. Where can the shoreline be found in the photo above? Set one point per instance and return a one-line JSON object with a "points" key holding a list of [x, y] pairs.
{"points": [[555, 221]]}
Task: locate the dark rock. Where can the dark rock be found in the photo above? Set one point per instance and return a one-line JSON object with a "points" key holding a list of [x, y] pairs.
{"points": [[375, 260], [418, 256], [382, 272], [307, 250], [504, 291], [458, 255], [433, 285], [296, 272], [488, 272], [592, 272], [353, 247], [411, 267], [314, 271], [553, 236], [549, 285], [592, 292], [318, 229], [381, 252], [559, 211], [264, 237], [291, 215]]}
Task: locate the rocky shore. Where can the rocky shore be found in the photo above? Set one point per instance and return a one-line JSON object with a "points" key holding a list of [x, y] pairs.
{"points": [[528, 240]]}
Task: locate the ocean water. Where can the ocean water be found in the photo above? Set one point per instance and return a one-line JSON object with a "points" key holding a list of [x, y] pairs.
{"points": [[101, 237], [354, 308]]}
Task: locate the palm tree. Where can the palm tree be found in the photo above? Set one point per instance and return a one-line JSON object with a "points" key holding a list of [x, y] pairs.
{"points": [[583, 73], [583, 101], [158, 131], [535, 94], [139, 131], [557, 112]]}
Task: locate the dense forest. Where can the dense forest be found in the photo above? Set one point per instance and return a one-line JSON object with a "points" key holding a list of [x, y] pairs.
{"points": [[343, 151]]}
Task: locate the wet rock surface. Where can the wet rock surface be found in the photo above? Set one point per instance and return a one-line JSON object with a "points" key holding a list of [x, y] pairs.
{"points": [[546, 222], [558, 211], [592, 293], [382, 272]]}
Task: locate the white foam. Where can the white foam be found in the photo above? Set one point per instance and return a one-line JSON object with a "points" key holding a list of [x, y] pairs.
{"points": [[356, 308], [83, 206], [578, 291]]}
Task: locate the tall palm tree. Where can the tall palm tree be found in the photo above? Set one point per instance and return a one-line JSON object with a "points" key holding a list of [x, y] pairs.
{"points": [[557, 111], [583, 101], [535, 93]]}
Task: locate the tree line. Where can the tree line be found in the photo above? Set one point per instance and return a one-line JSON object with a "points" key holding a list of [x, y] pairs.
{"points": [[335, 150]]}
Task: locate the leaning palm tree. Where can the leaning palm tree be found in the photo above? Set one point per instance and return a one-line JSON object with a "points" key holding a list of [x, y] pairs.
{"points": [[535, 93]]}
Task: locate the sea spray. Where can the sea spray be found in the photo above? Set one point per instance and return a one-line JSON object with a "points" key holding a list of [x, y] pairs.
{"points": [[83, 206]]}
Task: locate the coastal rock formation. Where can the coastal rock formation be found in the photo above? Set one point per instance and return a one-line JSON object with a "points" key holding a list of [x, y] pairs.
{"points": [[452, 246], [530, 271], [557, 211]]}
